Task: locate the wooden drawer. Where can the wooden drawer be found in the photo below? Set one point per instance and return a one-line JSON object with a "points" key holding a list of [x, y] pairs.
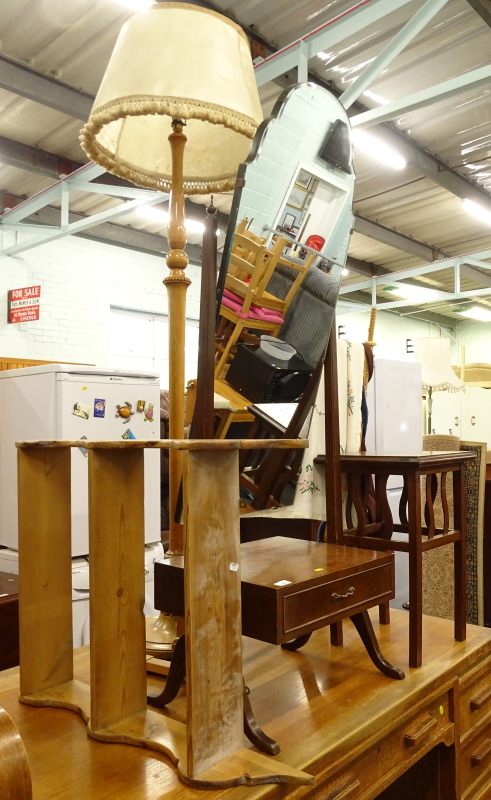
{"points": [[476, 764], [475, 698], [383, 759], [314, 606]]}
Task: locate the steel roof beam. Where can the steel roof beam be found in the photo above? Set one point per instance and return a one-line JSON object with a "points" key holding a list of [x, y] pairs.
{"points": [[475, 275], [34, 159], [392, 238], [106, 233], [412, 102], [392, 50], [20, 79], [88, 172], [350, 22], [438, 170], [88, 222], [51, 165], [425, 269], [483, 8]]}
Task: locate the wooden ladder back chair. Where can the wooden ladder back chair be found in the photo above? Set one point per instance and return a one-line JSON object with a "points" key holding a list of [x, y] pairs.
{"points": [[251, 266], [302, 271]]}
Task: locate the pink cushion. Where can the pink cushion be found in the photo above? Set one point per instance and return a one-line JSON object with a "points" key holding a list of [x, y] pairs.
{"points": [[234, 303]]}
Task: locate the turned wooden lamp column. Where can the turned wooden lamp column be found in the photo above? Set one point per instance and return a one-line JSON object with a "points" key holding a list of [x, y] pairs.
{"points": [[181, 65], [176, 284]]}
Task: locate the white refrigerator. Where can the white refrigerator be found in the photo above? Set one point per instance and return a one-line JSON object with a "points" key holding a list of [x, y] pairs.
{"points": [[64, 401], [395, 425]]}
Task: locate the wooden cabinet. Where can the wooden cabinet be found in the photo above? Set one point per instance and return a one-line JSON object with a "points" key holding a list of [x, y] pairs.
{"points": [[361, 735], [465, 414], [475, 729]]}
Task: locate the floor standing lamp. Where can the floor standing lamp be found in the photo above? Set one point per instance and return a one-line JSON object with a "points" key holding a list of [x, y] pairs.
{"points": [[184, 70], [433, 353]]}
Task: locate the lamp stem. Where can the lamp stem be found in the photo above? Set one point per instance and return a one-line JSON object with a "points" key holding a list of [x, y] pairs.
{"points": [[176, 284], [429, 403]]}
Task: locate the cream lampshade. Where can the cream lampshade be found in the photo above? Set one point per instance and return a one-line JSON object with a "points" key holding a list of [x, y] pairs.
{"points": [[182, 70], [433, 353], [176, 61]]}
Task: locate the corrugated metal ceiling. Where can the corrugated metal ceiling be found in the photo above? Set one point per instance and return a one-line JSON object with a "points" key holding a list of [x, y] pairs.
{"points": [[73, 42]]}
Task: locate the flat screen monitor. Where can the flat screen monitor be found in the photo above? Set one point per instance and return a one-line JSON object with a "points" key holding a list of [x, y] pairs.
{"points": [[336, 148]]}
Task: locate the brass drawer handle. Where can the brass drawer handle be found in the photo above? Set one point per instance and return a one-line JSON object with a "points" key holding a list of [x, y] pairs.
{"points": [[481, 753], [480, 699], [413, 737], [336, 596], [343, 790]]}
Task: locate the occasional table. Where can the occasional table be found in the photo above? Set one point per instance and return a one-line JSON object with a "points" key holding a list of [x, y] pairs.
{"points": [[290, 588], [377, 533]]}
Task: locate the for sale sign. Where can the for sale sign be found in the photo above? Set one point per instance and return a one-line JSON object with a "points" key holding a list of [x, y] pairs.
{"points": [[24, 304]]}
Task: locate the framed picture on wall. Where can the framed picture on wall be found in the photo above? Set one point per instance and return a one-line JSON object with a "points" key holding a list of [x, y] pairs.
{"points": [[298, 196], [304, 179], [289, 221]]}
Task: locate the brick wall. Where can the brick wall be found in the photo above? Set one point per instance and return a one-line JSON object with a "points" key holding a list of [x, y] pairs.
{"points": [[294, 139], [80, 280]]}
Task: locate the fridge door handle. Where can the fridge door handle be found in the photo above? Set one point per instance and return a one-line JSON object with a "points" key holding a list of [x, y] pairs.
{"points": [[473, 420]]}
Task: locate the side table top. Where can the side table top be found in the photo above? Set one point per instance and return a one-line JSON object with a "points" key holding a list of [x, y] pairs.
{"points": [[401, 462], [278, 559]]}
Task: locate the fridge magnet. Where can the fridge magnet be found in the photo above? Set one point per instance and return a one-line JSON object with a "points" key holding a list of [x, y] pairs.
{"points": [[149, 413], [84, 450], [99, 407], [140, 406], [128, 434], [125, 411], [81, 411]]}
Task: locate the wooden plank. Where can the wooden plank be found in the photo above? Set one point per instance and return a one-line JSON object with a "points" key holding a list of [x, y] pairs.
{"points": [[213, 610], [117, 586], [45, 567], [171, 444]]}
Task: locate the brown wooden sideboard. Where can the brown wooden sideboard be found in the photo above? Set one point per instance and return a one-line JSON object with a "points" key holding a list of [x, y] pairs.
{"points": [[362, 735]]}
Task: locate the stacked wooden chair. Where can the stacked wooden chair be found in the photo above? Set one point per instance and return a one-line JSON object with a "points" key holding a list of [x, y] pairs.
{"points": [[247, 304]]}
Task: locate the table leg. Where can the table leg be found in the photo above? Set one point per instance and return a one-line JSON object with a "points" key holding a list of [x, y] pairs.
{"points": [[296, 643], [460, 598], [336, 631], [175, 678], [254, 733], [364, 627], [415, 570]]}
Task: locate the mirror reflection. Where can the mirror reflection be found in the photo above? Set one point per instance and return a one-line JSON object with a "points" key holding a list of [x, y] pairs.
{"points": [[284, 254]]}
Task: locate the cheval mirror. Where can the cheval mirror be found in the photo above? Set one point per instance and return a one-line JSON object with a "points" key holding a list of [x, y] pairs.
{"points": [[294, 193]]}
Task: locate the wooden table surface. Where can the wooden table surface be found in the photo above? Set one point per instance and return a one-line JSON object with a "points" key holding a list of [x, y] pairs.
{"points": [[319, 704]]}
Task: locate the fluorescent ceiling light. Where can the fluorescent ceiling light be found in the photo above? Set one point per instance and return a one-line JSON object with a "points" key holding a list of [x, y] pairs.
{"points": [[377, 98], [476, 210], [157, 215], [377, 149], [475, 312], [417, 293]]}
